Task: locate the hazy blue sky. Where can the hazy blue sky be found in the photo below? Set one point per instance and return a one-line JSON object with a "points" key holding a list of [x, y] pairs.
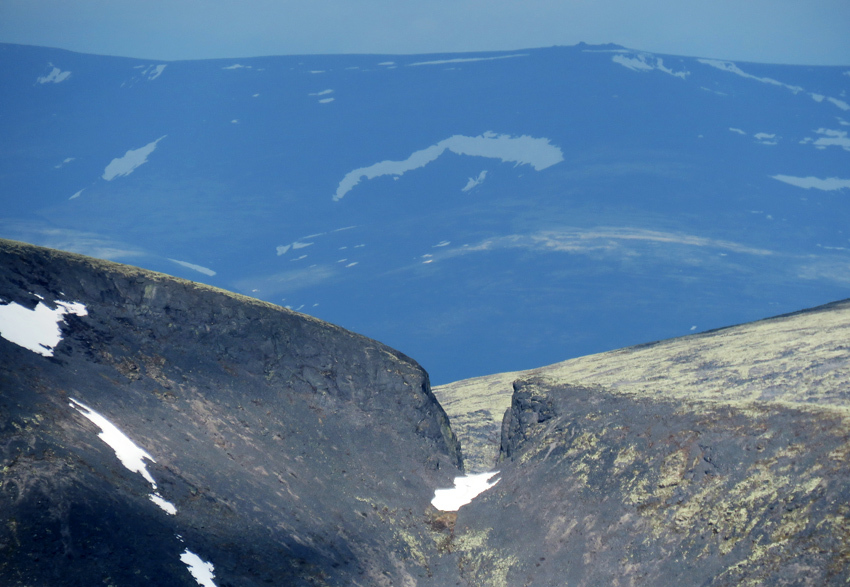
{"points": [[776, 31]]}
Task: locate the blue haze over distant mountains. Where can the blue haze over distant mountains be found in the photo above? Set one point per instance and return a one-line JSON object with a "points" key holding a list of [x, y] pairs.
{"points": [[479, 212]]}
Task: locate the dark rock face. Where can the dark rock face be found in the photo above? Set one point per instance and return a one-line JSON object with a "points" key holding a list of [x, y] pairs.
{"points": [[295, 452], [602, 488]]}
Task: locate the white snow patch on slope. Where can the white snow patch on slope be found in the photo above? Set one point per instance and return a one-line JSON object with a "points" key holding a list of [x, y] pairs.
{"points": [[77, 194], [522, 150], [643, 62], [37, 329], [840, 103], [154, 71], [65, 162], [732, 68], [828, 184], [466, 59], [282, 249], [132, 159], [164, 505], [55, 76], [127, 451], [202, 571], [194, 267], [474, 181], [465, 490], [829, 138]]}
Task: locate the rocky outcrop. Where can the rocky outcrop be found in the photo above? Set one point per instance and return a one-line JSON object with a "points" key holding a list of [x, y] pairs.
{"points": [[294, 452], [798, 358], [601, 488], [715, 459]]}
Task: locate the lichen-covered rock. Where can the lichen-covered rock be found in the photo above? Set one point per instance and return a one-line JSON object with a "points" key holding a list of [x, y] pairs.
{"points": [[294, 452], [602, 488], [798, 358]]}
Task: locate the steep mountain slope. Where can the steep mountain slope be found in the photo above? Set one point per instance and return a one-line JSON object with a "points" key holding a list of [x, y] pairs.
{"points": [[514, 209], [276, 447], [600, 487], [712, 459], [799, 360], [154, 430]]}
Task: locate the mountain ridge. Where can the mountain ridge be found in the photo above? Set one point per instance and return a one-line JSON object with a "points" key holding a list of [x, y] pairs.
{"points": [[273, 447], [683, 181]]}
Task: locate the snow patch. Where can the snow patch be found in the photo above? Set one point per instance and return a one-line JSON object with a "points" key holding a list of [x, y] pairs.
{"points": [[55, 76], [37, 329], [132, 159], [828, 184], [237, 66], [732, 68], [522, 150], [840, 103], [77, 195], [829, 138], [282, 249], [65, 162], [202, 571], [128, 452], [164, 505], [466, 59], [194, 267], [474, 181], [465, 490], [154, 71], [643, 62]]}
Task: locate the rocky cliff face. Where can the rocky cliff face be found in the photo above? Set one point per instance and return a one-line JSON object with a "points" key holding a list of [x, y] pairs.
{"points": [[599, 488], [162, 426], [293, 452], [714, 459]]}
